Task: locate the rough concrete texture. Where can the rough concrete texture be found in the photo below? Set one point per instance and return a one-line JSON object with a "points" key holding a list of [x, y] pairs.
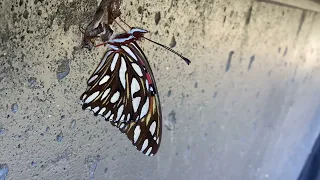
{"points": [[246, 108]]}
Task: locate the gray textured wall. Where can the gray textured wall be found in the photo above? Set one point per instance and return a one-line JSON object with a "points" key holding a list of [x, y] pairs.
{"points": [[246, 108]]}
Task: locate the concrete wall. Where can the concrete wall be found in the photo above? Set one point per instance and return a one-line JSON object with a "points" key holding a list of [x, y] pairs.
{"points": [[246, 108]]}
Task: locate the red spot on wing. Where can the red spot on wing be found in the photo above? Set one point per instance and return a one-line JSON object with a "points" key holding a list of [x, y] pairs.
{"points": [[141, 62], [149, 78]]}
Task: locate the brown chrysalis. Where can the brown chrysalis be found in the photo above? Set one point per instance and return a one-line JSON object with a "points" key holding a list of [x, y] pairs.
{"points": [[104, 16]]}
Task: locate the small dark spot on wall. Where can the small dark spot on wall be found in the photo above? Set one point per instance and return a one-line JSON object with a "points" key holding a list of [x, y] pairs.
{"points": [[169, 93], [196, 85], [231, 14], [224, 19], [229, 61], [215, 95], [173, 42], [14, 108], [22, 38], [302, 19], [203, 91], [285, 52], [269, 73], [39, 12], [29, 31], [2, 130], [279, 50], [47, 130], [33, 163], [21, 3], [157, 18], [171, 122], [25, 14], [258, 94], [140, 9], [249, 14], [63, 69], [251, 61], [59, 137]]}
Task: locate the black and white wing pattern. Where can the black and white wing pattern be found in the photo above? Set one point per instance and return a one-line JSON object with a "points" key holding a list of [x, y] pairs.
{"points": [[123, 90]]}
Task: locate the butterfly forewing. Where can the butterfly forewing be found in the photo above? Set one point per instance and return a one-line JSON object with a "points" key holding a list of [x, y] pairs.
{"points": [[123, 90]]}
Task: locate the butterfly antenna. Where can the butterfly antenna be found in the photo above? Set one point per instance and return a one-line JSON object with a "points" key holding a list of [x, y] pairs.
{"points": [[120, 26], [124, 22], [169, 49]]}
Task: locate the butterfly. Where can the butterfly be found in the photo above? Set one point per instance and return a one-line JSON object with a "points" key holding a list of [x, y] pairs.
{"points": [[123, 90]]}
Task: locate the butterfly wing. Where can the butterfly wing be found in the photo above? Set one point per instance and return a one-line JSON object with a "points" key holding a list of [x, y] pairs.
{"points": [[123, 90]]}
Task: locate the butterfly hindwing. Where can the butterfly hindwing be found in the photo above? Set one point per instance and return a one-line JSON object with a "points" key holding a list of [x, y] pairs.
{"points": [[123, 90]]}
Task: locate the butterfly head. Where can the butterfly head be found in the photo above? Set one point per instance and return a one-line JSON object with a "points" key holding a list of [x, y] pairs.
{"points": [[138, 33]]}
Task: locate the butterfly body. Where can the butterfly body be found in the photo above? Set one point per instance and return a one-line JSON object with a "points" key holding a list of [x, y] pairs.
{"points": [[122, 89]]}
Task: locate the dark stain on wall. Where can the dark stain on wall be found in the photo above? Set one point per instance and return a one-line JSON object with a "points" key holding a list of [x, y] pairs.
{"points": [[229, 61], [302, 18], [249, 15], [251, 61]]}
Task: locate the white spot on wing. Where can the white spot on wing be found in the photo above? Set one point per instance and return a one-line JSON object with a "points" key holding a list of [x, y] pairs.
{"points": [[152, 128], [145, 108], [133, 30], [137, 69], [104, 79], [113, 47], [102, 111], [114, 61], [96, 109], [135, 103], [136, 135], [128, 50], [149, 151], [122, 73], [120, 111], [92, 97], [144, 145], [147, 84], [105, 94], [121, 40], [115, 97], [122, 125], [92, 79], [107, 115], [111, 117], [134, 86], [84, 97], [128, 117]]}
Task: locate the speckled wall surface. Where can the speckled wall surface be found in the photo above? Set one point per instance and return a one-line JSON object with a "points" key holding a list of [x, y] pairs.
{"points": [[246, 108]]}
